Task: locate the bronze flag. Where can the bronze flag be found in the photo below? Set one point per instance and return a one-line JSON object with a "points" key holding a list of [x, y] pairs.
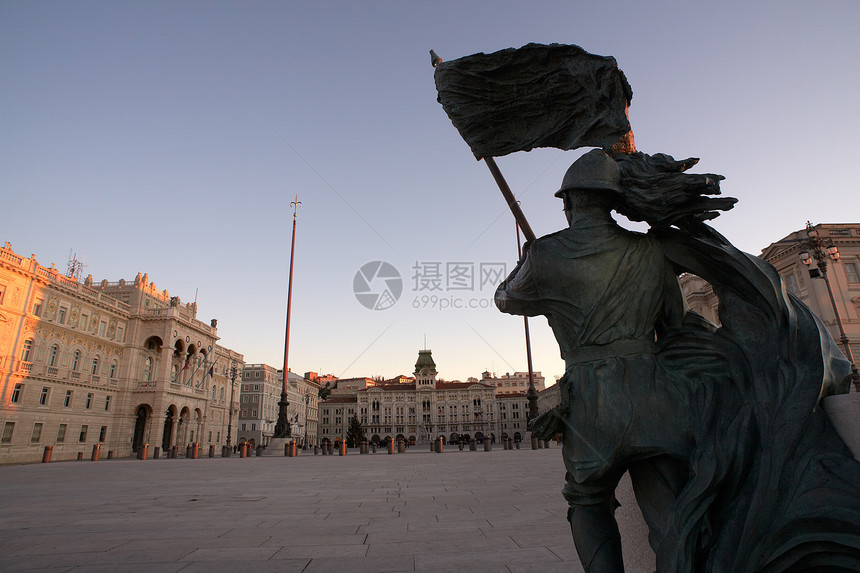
{"points": [[555, 95]]}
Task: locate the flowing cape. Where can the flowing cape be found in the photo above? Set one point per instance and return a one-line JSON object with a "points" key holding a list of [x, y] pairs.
{"points": [[772, 486]]}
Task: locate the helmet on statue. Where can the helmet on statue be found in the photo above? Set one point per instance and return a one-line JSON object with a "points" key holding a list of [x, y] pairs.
{"points": [[594, 170]]}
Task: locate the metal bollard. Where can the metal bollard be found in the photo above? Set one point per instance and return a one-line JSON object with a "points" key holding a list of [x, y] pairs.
{"points": [[80, 456], [95, 455], [46, 455], [473, 445], [293, 449], [330, 450], [488, 445], [225, 452], [440, 446], [534, 442], [390, 447], [517, 444], [373, 447], [401, 446], [195, 453], [156, 453], [110, 454], [141, 453], [211, 450], [173, 452], [316, 450], [243, 451]]}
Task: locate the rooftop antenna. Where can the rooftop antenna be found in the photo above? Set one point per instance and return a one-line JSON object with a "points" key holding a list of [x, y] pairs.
{"points": [[75, 268]]}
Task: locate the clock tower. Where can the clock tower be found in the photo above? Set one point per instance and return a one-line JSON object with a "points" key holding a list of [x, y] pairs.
{"points": [[425, 370]]}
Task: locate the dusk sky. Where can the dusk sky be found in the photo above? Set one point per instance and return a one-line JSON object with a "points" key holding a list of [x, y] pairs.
{"points": [[169, 138]]}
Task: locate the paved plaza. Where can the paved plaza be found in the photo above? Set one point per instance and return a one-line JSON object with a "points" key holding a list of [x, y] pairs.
{"points": [[419, 511]]}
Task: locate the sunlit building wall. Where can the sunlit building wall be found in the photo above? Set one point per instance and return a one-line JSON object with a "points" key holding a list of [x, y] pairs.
{"points": [[119, 365]]}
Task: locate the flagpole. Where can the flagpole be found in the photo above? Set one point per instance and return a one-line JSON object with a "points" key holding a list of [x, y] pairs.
{"points": [[282, 427], [512, 202], [532, 391]]}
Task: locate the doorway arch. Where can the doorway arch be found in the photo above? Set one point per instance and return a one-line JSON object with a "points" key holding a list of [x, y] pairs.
{"points": [[141, 418]]}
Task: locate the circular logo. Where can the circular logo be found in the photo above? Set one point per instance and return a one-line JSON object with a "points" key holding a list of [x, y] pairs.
{"points": [[377, 285]]}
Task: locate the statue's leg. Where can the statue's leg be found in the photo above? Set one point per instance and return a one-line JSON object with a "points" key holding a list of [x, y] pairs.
{"points": [[592, 523], [595, 534], [657, 482]]}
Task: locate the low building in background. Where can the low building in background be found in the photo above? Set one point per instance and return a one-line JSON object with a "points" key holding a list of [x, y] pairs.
{"points": [[513, 383], [513, 416]]}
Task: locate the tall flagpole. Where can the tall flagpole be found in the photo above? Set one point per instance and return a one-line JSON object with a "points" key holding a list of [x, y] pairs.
{"points": [[282, 427], [532, 391]]}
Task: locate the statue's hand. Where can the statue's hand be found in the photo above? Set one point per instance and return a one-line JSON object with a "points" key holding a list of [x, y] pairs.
{"points": [[548, 424]]}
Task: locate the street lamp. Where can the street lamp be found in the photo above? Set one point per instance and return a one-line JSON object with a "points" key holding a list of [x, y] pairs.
{"points": [[307, 401], [230, 418], [821, 249]]}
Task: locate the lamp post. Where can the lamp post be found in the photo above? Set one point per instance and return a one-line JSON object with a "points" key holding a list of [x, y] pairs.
{"points": [[821, 249], [230, 415]]}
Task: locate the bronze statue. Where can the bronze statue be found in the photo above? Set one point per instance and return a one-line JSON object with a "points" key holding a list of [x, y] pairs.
{"points": [[734, 464], [729, 457]]}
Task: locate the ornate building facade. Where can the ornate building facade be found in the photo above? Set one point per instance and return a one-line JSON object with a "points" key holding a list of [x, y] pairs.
{"points": [[114, 364], [806, 281], [415, 412]]}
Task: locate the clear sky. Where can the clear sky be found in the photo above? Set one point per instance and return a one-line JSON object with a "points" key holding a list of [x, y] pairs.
{"points": [[169, 138]]}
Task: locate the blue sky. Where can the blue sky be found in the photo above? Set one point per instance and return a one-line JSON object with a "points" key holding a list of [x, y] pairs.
{"points": [[170, 138]]}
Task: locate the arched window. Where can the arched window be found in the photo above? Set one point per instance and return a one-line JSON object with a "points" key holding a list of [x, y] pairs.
{"points": [[28, 348], [113, 367], [76, 360], [174, 370], [95, 369], [221, 396], [147, 369], [214, 389], [53, 355]]}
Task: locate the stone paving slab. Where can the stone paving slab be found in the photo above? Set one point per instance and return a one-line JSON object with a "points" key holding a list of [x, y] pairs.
{"points": [[499, 511]]}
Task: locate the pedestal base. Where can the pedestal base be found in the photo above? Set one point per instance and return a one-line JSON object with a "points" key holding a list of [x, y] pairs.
{"points": [[638, 555], [276, 447], [844, 413]]}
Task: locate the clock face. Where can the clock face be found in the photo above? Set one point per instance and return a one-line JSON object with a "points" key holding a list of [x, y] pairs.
{"points": [[425, 372]]}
